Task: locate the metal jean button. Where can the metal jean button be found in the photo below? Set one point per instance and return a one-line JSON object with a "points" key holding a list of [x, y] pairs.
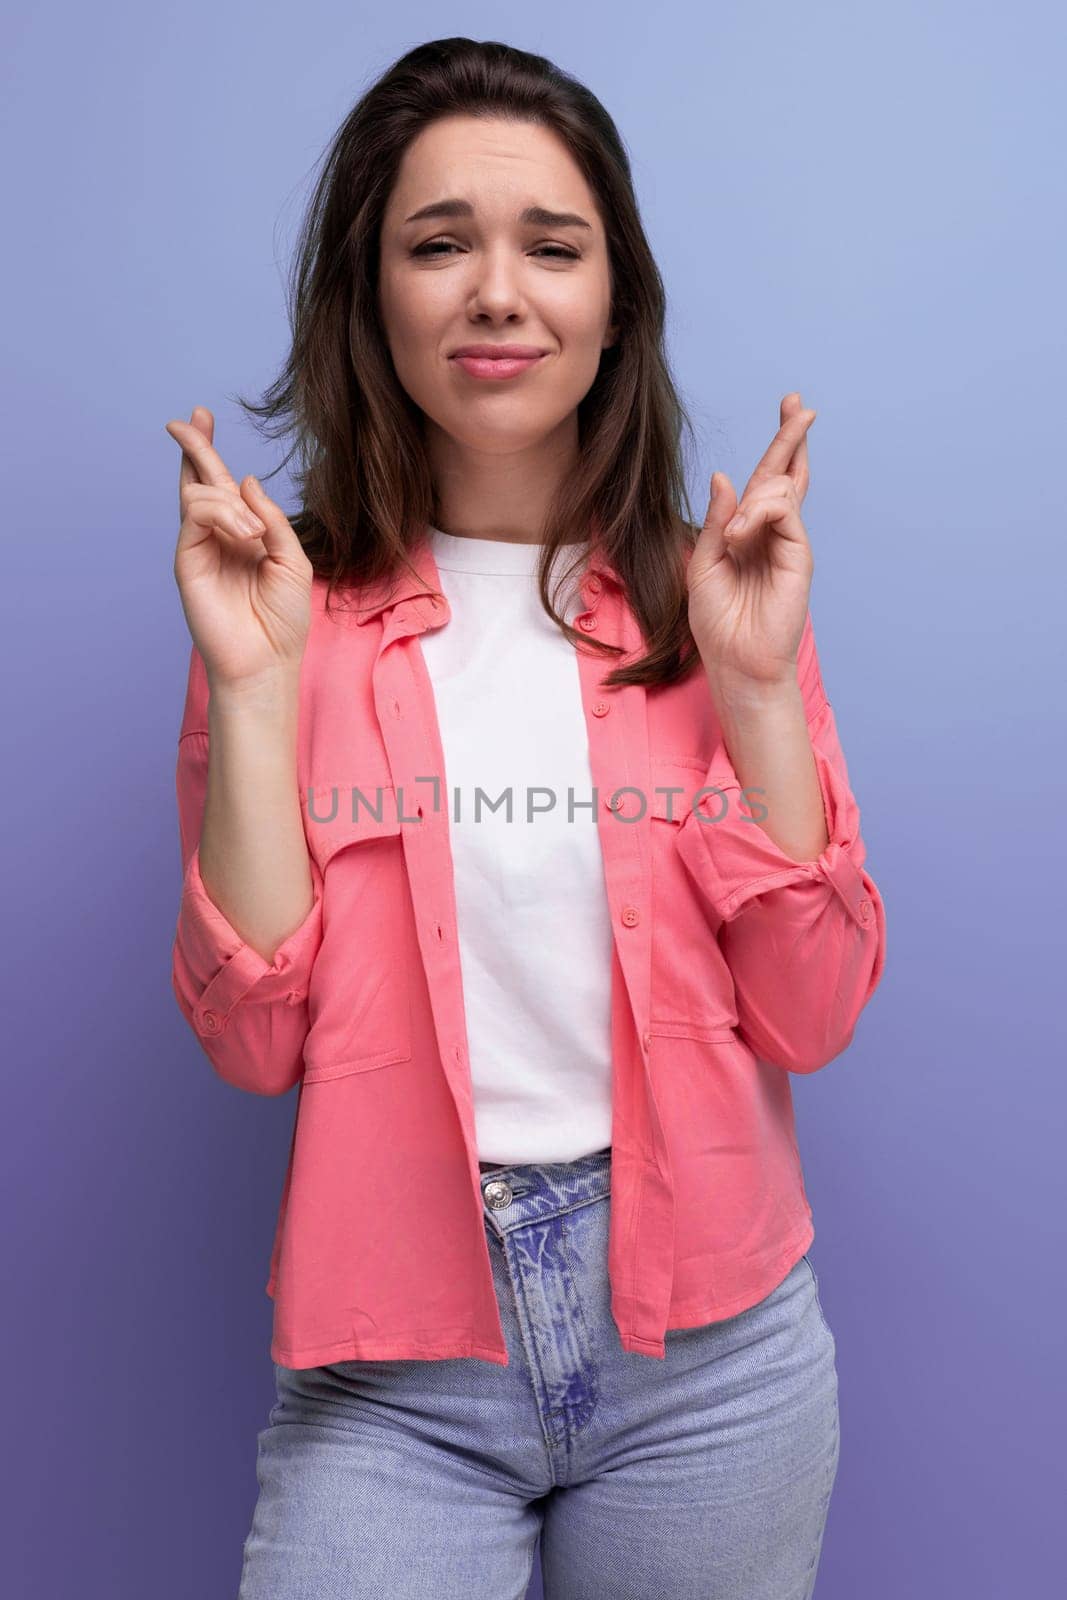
{"points": [[498, 1194]]}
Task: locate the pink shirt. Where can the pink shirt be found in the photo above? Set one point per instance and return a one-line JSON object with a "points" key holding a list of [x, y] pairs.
{"points": [[734, 966]]}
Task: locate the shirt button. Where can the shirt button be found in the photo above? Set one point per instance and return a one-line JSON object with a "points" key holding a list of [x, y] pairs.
{"points": [[631, 916], [866, 910], [498, 1194], [211, 1022], [613, 802], [600, 708], [587, 621], [593, 584]]}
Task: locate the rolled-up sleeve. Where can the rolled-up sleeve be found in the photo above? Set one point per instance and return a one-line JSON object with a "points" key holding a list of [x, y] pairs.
{"points": [[250, 1015], [804, 940]]}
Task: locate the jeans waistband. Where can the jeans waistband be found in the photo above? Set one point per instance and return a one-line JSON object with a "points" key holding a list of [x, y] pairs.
{"points": [[540, 1190]]}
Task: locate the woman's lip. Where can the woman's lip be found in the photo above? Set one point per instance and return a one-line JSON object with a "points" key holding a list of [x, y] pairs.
{"points": [[505, 367]]}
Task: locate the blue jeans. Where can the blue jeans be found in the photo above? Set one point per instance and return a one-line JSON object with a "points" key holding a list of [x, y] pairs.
{"points": [[706, 1476]]}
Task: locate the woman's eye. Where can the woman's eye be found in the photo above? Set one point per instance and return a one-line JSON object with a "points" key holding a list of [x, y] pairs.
{"points": [[434, 245]]}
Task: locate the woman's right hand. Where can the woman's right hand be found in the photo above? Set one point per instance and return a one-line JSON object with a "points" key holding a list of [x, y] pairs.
{"points": [[245, 591]]}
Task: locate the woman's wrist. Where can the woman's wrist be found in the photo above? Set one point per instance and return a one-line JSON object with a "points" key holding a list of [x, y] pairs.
{"points": [[272, 694]]}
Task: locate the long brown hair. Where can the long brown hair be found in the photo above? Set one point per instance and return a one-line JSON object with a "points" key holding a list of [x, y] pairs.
{"points": [[365, 486]]}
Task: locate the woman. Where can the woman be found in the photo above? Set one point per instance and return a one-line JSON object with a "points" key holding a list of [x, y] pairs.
{"points": [[544, 1128]]}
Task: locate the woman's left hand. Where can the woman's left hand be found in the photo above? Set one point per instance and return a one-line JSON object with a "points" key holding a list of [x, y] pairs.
{"points": [[749, 585]]}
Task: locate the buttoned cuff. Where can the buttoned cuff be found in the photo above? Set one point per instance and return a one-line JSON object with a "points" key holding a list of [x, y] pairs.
{"points": [[215, 970], [738, 860]]}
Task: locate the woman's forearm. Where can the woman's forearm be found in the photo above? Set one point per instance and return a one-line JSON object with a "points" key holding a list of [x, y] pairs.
{"points": [[767, 740], [253, 852]]}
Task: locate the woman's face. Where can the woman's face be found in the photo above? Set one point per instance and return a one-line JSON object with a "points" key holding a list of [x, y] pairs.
{"points": [[488, 276]]}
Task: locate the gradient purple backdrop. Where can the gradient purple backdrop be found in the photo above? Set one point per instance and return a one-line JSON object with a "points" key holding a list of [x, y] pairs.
{"points": [[864, 205]]}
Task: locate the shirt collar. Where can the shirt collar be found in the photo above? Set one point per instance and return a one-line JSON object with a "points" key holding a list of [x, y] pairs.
{"points": [[374, 599]]}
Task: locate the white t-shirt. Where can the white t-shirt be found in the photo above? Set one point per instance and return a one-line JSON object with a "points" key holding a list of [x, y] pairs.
{"points": [[534, 925]]}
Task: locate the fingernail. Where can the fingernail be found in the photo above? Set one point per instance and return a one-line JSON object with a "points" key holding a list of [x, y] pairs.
{"points": [[250, 523], [735, 524], [713, 484]]}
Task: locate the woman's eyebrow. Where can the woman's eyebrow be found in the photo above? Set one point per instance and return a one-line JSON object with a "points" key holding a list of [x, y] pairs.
{"points": [[536, 216]]}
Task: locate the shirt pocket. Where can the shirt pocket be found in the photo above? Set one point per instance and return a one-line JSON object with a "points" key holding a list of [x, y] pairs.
{"points": [[360, 998], [692, 995]]}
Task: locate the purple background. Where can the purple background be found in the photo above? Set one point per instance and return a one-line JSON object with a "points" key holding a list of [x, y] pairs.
{"points": [[864, 206]]}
